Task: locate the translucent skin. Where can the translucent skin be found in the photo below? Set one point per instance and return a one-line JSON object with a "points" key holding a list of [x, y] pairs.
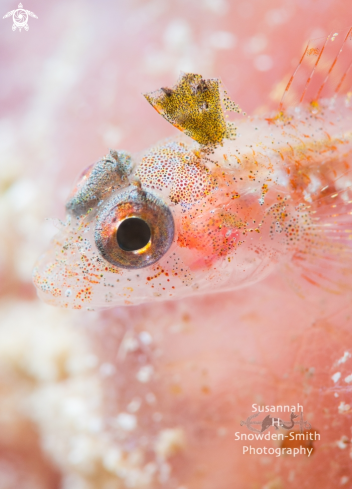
{"points": [[277, 196]]}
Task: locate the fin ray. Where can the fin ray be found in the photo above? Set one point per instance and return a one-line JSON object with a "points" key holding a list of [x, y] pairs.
{"points": [[322, 71]]}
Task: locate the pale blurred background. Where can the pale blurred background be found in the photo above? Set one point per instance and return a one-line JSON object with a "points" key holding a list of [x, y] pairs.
{"points": [[70, 89]]}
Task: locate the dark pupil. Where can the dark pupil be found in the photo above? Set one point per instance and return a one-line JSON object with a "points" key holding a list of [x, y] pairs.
{"points": [[133, 234]]}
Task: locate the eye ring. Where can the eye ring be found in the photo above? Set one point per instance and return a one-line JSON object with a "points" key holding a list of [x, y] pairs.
{"points": [[122, 229]]}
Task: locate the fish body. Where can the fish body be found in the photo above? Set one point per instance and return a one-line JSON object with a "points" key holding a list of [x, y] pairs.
{"points": [[216, 209], [275, 194], [194, 367]]}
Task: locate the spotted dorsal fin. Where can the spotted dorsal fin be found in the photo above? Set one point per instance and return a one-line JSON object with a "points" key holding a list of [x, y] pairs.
{"points": [[196, 107]]}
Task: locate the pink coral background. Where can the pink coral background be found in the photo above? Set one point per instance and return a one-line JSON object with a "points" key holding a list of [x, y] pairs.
{"points": [[71, 88]]}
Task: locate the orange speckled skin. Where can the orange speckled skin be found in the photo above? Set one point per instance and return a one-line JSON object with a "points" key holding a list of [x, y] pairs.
{"points": [[276, 196]]}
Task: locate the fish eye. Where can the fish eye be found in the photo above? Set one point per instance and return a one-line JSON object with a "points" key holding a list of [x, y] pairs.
{"points": [[133, 234], [134, 230]]}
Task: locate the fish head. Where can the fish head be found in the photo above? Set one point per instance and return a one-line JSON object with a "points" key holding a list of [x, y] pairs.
{"points": [[185, 217], [165, 224]]}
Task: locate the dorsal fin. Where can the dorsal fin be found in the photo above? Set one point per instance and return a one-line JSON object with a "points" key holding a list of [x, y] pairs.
{"points": [[324, 70], [196, 106]]}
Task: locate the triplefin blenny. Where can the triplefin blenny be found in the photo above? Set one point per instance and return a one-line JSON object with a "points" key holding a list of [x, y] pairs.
{"points": [[221, 206]]}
